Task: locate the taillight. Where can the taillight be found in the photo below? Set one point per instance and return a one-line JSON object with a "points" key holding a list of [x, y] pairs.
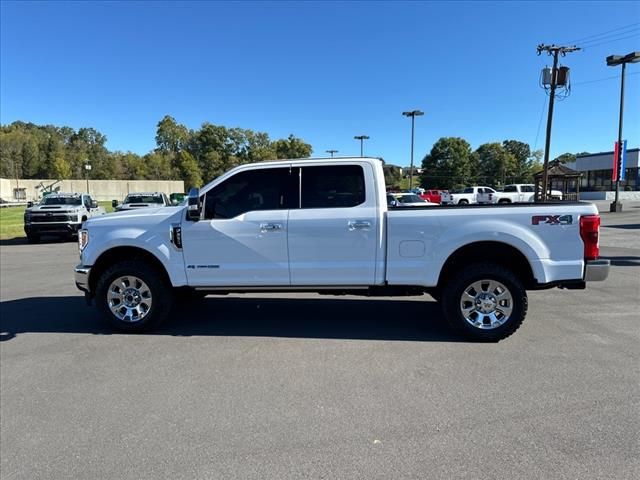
{"points": [[590, 232]]}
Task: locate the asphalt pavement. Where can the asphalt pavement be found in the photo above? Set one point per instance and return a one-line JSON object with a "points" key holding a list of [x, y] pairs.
{"points": [[305, 386]]}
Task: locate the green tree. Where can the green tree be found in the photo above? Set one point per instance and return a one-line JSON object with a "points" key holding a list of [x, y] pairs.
{"points": [[496, 165], [392, 175], [158, 166], [565, 158], [188, 170], [292, 147], [448, 165], [522, 154], [30, 155], [61, 168], [535, 165], [171, 136]]}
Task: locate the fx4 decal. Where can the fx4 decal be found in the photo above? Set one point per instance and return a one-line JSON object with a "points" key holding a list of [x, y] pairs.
{"points": [[552, 219]]}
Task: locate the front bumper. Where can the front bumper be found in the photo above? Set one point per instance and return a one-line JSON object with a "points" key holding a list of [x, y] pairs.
{"points": [[82, 278], [53, 228], [596, 270]]}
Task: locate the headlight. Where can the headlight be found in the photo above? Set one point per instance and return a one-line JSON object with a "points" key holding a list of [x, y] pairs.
{"points": [[83, 239]]}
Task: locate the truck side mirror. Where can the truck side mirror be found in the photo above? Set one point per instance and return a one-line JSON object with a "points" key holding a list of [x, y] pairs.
{"points": [[94, 204], [194, 207], [29, 204], [114, 203]]}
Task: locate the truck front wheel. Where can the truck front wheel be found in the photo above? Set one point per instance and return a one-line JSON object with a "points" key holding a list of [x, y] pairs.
{"points": [[485, 301], [133, 297]]}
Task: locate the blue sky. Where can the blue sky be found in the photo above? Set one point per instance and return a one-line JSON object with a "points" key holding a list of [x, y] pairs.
{"points": [[322, 71]]}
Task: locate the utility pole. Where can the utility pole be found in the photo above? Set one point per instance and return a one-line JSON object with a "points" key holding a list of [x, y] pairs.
{"points": [[331, 152], [413, 114], [553, 50], [362, 138], [87, 168], [612, 61]]}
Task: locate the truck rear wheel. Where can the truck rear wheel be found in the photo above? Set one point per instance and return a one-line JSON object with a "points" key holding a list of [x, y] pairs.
{"points": [[485, 301], [133, 297], [463, 202], [32, 238]]}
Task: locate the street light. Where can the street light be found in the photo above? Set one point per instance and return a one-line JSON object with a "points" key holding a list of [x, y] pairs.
{"points": [[413, 114], [362, 138], [331, 152], [613, 61], [87, 168]]}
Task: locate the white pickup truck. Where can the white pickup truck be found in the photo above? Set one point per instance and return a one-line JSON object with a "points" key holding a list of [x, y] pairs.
{"points": [[521, 193], [59, 214], [323, 226], [468, 196], [141, 200]]}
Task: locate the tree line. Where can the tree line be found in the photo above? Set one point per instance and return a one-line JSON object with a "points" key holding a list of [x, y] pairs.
{"points": [[198, 156], [195, 156], [452, 163]]}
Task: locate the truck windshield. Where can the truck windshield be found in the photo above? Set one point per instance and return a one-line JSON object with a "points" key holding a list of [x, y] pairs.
{"points": [[143, 199], [60, 201]]}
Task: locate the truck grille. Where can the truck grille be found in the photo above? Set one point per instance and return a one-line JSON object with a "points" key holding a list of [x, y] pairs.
{"points": [[48, 218]]}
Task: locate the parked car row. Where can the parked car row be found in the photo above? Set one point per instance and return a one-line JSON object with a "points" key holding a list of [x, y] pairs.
{"points": [[515, 193], [407, 200], [63, 214]]}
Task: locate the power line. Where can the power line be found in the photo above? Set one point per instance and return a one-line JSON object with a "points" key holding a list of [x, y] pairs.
{"points": [[612, 37], [591, 45], [603, 79], [544, 104], [635, 24]]}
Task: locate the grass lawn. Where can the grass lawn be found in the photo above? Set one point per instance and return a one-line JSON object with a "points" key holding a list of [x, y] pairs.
{"points": [[12, 220]]}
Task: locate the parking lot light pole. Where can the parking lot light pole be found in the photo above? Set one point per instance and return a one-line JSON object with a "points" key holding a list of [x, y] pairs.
{"points": [[613, 61], [362, 138], [87, 168], [413, 114], [331, 152]]}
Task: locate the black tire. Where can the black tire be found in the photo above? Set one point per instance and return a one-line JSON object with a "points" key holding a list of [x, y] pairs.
{"points": [[463, 202], [436, 294], [161, 295], [31, 238], [461, 281], [503, 201]]}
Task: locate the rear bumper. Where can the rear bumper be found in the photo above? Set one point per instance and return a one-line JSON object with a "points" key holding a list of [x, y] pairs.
{"points": [[596, 270]]}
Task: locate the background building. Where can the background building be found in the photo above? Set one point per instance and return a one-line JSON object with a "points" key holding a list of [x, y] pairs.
{"points": [[596, 169]]}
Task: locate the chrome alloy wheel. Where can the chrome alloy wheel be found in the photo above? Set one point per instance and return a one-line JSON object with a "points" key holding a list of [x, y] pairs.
{"points": [[486, 304], [129, 299]]}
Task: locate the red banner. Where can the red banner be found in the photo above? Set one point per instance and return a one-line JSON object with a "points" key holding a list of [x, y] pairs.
{"points": [[614, 171]]}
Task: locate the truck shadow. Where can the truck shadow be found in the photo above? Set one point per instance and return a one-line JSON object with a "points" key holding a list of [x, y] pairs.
{"points": [[23, 240], [331, 318], [623, 261]]}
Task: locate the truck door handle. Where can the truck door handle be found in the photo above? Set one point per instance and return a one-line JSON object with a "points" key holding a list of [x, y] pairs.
{"points": [[270, 227], [358, 225]]}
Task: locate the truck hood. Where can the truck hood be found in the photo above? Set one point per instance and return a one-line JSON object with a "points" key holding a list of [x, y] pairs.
{"points": [[132, 206], [54, 209], [139, 217]]}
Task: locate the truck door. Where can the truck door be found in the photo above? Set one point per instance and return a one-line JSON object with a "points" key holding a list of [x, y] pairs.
{"points": [[241, 238], [333, 236]]}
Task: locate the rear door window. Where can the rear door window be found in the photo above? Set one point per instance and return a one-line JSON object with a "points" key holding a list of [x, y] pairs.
{"points": [[332, 186]]}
